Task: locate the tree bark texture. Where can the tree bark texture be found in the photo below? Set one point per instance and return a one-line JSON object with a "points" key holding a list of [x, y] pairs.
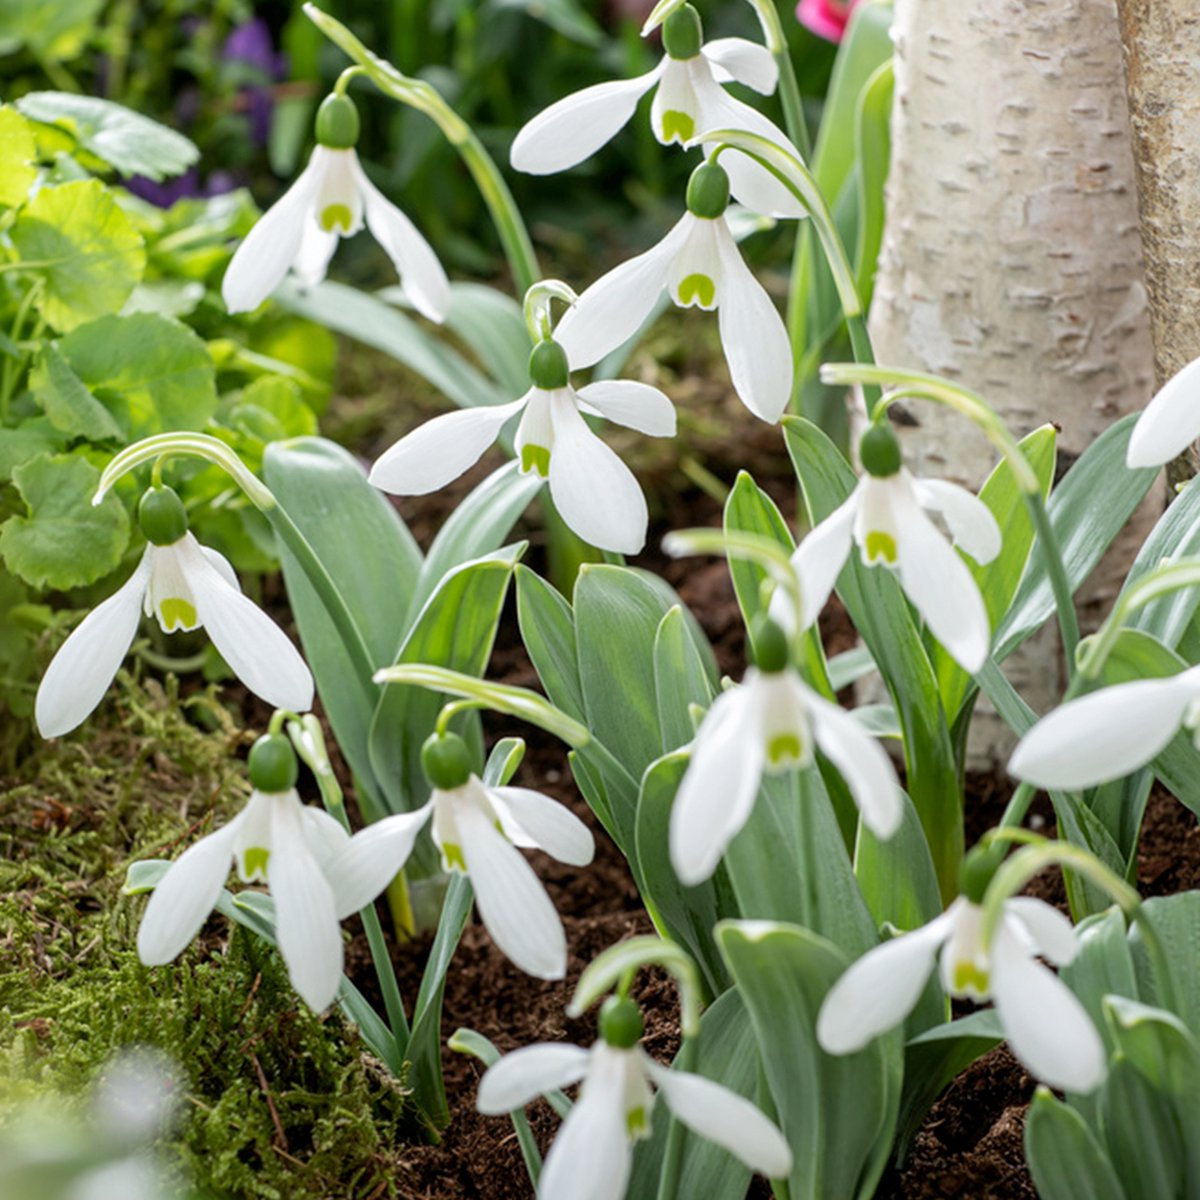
{"points": [[1011, 261]]}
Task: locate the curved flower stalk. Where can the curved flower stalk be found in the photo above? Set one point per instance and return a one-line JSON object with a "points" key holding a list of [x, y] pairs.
{"points": [[592, 1154], [885, 516], [329, 200], [1108, 734], [184, 585], [770, 724], [698, 263], [688, 101], [290, 847], [477, 829], [1170, 422], [1046, 1025], [595, 492]]}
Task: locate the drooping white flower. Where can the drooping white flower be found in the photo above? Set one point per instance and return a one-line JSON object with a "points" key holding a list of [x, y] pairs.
{"points": [[1046, 1025], [184, 585], [477, 829], [689, 101], [698, 263], [1108, 734], [594, 491], [329, 200], [1170, 422], [770, 723], [591, 1156], [885, 516], [278, 841]]}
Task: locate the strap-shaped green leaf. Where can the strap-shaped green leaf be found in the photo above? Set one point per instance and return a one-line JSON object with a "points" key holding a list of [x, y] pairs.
{"points": [[1065, 1159]]}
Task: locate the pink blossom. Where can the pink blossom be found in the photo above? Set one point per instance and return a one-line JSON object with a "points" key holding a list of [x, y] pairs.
{"points": [[825, 18]]}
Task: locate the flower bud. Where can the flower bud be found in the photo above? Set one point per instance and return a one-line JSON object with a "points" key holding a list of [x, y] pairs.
{"points": [[273, 766], [162, 517], [446, 761], [708, 191], [337, 123], [548, 366], [879, 451], [621, 1023]]}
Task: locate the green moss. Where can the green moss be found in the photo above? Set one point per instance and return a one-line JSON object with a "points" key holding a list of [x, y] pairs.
{"points": [[278, 1102]]}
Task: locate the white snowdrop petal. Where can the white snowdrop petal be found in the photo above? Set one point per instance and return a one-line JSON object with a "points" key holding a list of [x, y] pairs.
{"points": [[256, 649], [634, 405], [1170, 422], [578, 125], [527, 1073], [439, 451], [223, 566], [596, 494], [372, 858], [511, 899], [752, 334], [324, 834], [880, 989], [738, 60], [591, 1156], [313, 254], [971, 522], [614, 308], [306, 923], [1105, 735], [1050, 931], [546, 823], [862, 763], [269, 249], [1046, 1025], [421, 274], [818, 561], [944, 591], [727, 1120], [81, 671], [719, 787], [185, 896]]}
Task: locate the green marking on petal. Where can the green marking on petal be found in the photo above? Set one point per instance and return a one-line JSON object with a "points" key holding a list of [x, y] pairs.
{"points": [[697, 289], [254, 862], [176, 613], [970, 980], [535, 459], [881, 547], [335, 215], [783, 749], [678, 125], [452, 855], [636, 1123]]}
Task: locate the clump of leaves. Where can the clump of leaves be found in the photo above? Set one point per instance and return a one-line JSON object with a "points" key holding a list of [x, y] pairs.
{"points": [[277, 1102]]}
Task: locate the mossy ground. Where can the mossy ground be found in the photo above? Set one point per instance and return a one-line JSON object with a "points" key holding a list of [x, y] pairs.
{"points": [[277, 1101]]}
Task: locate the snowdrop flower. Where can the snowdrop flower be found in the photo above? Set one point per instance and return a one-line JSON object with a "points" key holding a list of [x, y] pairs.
{"points": [[329, 200], [185, 586], [698, 263], [689, 101], [1170, 422], [1110, 733], [770, 723], [1046, 1025], [477, 829], [278, 841], [591, 1156], [885, 516], [596, 493]]}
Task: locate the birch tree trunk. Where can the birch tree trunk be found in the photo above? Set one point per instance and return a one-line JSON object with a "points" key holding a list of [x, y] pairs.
{"points": [[1011, 261], [1162, 66]]}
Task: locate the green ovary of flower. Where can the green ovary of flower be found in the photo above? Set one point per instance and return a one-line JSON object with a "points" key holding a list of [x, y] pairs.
{"points": [[881, 545], [336, 216], [176, 613], [697, 289], [679, 125], [535, 459]]}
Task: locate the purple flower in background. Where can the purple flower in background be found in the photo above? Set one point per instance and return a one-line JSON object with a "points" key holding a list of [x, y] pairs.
{"points": [[251, 43]]}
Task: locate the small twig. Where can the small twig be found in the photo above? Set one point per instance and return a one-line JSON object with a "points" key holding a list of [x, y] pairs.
{"points": [[266, 1091]]}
